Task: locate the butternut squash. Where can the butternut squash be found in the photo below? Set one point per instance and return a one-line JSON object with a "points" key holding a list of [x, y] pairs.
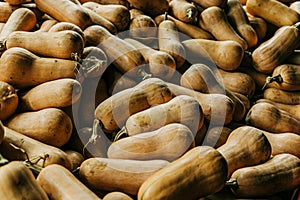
{"points": [[183, 10], [190, 30], [161, 64], [68, 11], [50, 125], [62, 44], [217, 136], [238, 19], [295, 6], [210, 104], [283, 143], [60, 93], [292, 109], [116, 196], [272, 53], [126, 57], [281, 96], [261, 8], [36, 152], [19, 183], [142, 27], [114, 111], [22, 19], [93, 61], [59, 183], [119, 15], [47, 24], [214, 19], [120, 82], [63, 26], [9, 100], [18, 2], [260, 26], [180, 109], [255, 148], [285, 77], [169, 143], [280, 173], [105, 2], [199, 172], [21, 68], [258, 77], [76, 158], [210, 3], [201, 78], [169, 41], [278, 120], [227, 55], [117, 174], [152, 8], [238, 82], [6, 11]]}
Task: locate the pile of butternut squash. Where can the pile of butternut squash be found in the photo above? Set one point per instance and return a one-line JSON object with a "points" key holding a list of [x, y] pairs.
{"points": [[162, 99]]}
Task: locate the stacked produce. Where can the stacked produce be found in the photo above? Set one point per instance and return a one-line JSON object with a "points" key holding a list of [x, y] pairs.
{"points": [[162, 99]]}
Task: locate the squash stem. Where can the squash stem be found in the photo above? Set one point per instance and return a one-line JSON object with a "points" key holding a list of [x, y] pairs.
{"points": [[277, 78], [121, 133], [189, 14], [166, 16], [232, 183], [144, 74], [2, 45], [3, 161]]}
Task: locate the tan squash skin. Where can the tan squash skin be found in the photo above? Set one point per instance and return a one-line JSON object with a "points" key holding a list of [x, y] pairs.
{"points": [[210, 104], [260, 26], [169, 143], [119, 15], [161, 64], [183, 10], [63, 26], [191, 30], [259, 77], [75, 157], [19, 183], [198, 173], [21, 68], [275, 50], [283, 143], [292, 109], [117, 196], [281, 96], [152, 8], [227, 55], [6, 11], [142, 27], [201, 78], [118, 175], [280, 173], [238, 82], [216, 136], [119, 82], [50, 125], [60, 93], [213, 20], [114, 111], [60, 184], [285, 77], [281, 14], [278, 120], [105, 2], [18, 2], [169, 41], [67, 12], [9, 100], [237, 17], [126, 57], [48, 44], [22, 19], [206, 4], [33, 148], [180, 109], [47, 24], [255, 148], [295, 6]]}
